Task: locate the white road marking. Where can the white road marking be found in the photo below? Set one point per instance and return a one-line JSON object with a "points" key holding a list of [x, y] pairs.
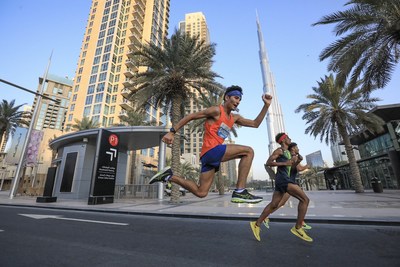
{"points": [[59, 217]]}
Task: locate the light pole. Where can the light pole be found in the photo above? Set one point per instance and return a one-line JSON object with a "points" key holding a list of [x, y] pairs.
{"points": [[28, 135]]}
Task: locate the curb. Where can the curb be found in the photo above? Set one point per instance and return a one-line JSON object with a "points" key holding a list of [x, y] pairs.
{"points": [[347, 221]]}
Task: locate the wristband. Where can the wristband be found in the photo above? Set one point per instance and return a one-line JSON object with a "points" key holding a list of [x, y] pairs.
{"points": [[172, 130]]}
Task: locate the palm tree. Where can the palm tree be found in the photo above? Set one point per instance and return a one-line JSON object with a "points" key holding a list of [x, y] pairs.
{"points": [[85, 124], [173, 72], [189, 171], [371, 50], [11, 118], [340, 111], [136, 117]]}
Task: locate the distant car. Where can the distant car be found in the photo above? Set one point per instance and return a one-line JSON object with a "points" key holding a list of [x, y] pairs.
{"points": [[167, 190]]}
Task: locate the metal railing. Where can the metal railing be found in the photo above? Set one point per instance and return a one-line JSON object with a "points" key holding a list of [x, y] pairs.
{"points": [[148, 191]]}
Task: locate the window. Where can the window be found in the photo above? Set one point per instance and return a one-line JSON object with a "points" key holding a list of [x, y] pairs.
{"points": [[89, 100], [98, 51], [95, 119], [90, 89], [72, 108], [99, 42], [100, 87], [99, 98], [106, 57], [93, 79], [96, 109], [95, 69], [109, 39], [96, 60], [102, 76], [104, 66], [86, 111], [110, 31], [107, 48]]}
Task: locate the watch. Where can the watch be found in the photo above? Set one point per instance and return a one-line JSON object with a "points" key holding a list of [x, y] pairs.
{"points": [[172, 130]]}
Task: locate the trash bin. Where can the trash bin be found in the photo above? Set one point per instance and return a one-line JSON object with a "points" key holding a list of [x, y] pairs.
{"points": [[376, 185]]}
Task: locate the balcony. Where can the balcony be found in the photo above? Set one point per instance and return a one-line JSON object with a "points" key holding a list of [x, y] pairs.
{"points": [[125, 93], [136, 30], [129, 63], [137, 23], [123, 113], [139, 6], [127, 83], [133, 46], [125, 104], [138, 13], [129, 73], [134, 38]]}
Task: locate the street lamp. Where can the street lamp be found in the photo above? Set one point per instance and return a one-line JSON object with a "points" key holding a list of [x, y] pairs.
{"points": [[26, 142]]}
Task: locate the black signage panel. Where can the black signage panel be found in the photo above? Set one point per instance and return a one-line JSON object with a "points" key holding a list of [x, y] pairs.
{"points": [[106, 169]]}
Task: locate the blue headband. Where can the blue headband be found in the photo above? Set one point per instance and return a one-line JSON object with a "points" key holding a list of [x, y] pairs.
{"points": [[235, 93]]}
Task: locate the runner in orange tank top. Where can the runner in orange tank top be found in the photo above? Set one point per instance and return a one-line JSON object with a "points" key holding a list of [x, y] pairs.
{"points": [[219, 122]]}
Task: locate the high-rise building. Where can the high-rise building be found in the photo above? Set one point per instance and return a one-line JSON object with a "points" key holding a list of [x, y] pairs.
{"points": [[315, 159], [195, 24], [339, 153], [115, 29], [48, 124], [52, 115], [274, 119]]}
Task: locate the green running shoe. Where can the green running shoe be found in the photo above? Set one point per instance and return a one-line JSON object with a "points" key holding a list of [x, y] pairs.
{"points": [[245, 197], [161, 176]]}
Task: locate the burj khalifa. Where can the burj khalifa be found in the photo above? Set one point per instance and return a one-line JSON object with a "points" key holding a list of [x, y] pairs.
{"points": [[274, 117]]}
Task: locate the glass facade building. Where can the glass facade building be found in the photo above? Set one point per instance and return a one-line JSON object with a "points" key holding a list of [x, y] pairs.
{"points": [[380, 154]]}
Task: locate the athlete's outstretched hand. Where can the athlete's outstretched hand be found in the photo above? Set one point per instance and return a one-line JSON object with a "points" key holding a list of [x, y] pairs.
{"points": [[168, 138], [267, 99]]}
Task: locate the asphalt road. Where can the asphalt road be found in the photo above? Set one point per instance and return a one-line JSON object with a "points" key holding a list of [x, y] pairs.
{"points": [[29, 237]]}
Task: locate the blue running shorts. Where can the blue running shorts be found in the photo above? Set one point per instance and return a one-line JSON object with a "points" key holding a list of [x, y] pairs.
{"points": [[212, 158]]}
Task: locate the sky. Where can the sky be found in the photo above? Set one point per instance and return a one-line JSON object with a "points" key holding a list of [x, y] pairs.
{"points": [[33, 30]]}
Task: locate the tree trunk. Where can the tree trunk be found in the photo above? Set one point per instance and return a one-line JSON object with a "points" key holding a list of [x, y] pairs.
{"points": [[220, 183], [354, 170], [2, 131], [176, 149], [132, 179]]}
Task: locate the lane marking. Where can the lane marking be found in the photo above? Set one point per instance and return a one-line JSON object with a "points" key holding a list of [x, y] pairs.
{"points": [[59, 217]]}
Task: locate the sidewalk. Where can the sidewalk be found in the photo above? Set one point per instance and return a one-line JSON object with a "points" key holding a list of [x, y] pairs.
{"points": [[344, 207]]}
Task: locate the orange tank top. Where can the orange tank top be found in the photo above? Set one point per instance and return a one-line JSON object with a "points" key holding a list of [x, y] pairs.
{"points": [[216, 132]]}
